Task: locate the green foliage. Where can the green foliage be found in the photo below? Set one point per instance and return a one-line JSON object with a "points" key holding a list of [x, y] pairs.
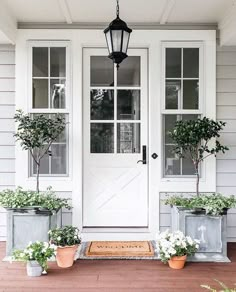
{"points": [[214, 204], [19, 199], [65, 236], [38, 251], [192, 137], [37, 133], [222, 285], [175, 244], [192, 140]]}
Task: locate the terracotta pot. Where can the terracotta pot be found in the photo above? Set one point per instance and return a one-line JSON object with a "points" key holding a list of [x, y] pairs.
{"points": [[177, 262], [65, 255]]}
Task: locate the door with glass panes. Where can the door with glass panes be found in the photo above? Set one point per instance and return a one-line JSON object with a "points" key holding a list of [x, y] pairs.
{"points": [[115, 133]]}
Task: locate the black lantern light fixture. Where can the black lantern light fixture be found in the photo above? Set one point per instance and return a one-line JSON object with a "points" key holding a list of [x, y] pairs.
{"points": [[117, 37]]}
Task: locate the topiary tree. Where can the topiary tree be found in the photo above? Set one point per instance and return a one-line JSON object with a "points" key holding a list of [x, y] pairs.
{"points": [[37, 133], [192, 139]]}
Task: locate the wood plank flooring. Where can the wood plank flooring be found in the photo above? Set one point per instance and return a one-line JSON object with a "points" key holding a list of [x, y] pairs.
{"points": [[118, 275]]}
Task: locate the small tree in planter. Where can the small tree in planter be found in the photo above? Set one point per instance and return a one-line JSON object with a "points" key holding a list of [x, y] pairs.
{"points": [[192, 139], [37, 134], [197, 140]]}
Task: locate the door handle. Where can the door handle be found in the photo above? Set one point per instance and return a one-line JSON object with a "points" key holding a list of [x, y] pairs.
{"points": [[144, 160]]}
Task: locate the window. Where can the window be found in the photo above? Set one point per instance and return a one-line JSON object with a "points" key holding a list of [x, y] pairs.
{"points": [[182, 92], [50, 95]]}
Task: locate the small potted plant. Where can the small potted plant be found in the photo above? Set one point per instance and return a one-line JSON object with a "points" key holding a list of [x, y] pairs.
{"points": [[175, 247], [67, 240], [36, 255]]}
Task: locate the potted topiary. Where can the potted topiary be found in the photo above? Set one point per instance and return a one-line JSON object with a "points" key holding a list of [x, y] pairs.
{"points": [[30, 214], [202, 216], [67, 240], [175, 247], [36, 255], [36, 135]]}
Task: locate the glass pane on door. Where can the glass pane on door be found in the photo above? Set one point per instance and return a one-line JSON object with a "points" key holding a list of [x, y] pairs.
{"points": [[129, 72], [101, 104], [128, 138], [102, 138], [101, 71], [128, 105]]}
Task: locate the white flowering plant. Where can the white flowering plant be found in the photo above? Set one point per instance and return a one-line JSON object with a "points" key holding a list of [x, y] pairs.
{"points": [[65, 236], [37, 251], [175, 244]]}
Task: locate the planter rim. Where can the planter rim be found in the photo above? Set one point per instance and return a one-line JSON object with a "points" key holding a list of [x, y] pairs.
{"points": [[68, 246], [200, 211], [36, 209], [178, 258]]}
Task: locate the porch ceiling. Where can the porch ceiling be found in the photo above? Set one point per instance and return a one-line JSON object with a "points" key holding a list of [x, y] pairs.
{"points": [[24, 13]]}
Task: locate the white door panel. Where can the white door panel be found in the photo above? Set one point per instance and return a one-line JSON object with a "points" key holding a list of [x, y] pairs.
{"points": [[115, 186]]}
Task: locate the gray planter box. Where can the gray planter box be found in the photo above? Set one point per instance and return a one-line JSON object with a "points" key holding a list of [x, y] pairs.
{"points": [[25, 225], [210, 230]]}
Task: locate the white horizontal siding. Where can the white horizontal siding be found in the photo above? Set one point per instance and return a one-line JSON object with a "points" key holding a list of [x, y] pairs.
{"points": [[7, 110], [226, 110], [226, 98], [7, 124], [7, 152], [7, 98], [226, 58], [7, 71]]}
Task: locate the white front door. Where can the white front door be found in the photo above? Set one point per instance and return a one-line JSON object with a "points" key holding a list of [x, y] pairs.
{"points": [[115, 125]]}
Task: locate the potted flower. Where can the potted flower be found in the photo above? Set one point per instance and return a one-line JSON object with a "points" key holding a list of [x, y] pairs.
{"points": [[201, 215], [175, 247], [30, 214], [67, 240], [36, 255]]}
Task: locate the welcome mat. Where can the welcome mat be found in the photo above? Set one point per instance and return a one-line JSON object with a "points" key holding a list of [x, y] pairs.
{"points": [[125, 249]]}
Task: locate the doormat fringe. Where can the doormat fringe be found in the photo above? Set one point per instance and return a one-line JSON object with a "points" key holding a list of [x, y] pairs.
{"points": [[150, 254]]}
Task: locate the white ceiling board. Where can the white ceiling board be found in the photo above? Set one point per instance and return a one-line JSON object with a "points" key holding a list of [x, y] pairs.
{"points": [[36, 10], [190, 11], [197, 11], [105, 10]]}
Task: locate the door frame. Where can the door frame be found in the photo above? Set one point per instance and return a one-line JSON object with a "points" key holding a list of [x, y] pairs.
{"points": [[122, 233]]}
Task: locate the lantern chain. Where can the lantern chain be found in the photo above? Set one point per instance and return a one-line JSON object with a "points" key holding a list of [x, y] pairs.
{"points": [[117, 8]]}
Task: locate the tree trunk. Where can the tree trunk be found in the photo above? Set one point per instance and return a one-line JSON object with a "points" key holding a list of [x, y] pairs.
{"points": [[37, 176], [197, 179]]}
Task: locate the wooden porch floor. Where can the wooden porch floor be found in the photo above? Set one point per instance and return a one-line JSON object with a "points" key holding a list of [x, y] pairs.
{"points": [[118, 275]]}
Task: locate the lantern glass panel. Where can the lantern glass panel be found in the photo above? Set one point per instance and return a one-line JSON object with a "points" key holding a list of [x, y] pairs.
{"points": [[108, 39], [116, 39], [125, 41]]}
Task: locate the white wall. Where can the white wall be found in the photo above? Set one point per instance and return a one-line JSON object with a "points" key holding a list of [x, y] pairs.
{"points": [[7, 108], [226, 111]]}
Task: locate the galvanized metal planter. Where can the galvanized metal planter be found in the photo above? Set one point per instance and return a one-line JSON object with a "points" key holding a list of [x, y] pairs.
{"points": [[210, 230], [29, 224]]}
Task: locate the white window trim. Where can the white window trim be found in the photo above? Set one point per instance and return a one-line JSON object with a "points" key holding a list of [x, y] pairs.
{"points": [[207, 104], [60, 182]]}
